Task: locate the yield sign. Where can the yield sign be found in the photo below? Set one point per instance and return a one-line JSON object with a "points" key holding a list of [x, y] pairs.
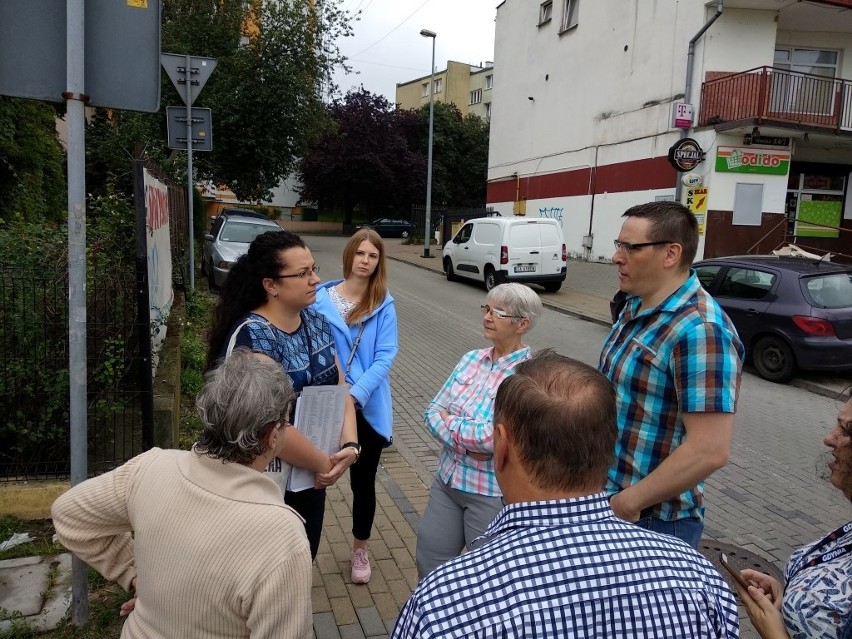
{"points": [[198, 73]]}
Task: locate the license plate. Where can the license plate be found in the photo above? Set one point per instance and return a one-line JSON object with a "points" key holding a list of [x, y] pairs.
{"points": [[524, 268]]}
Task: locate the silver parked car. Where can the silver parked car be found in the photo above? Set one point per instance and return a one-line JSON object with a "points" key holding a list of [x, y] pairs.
{"points": [[229, 238]]}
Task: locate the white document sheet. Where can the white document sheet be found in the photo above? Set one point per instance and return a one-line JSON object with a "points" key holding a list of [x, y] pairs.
{"points": [[319, 416]]}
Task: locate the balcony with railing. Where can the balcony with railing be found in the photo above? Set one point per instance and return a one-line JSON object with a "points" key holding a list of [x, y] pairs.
{"points": [[768, 95]]}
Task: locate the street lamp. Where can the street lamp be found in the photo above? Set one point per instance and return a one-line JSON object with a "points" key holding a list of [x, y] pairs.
{"points": [[426, 230]]}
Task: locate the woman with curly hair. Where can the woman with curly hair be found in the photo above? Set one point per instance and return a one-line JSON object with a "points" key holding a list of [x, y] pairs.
{"points": [[265, 305]]}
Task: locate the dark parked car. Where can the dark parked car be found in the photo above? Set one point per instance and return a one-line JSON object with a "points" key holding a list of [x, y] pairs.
{"points": [[387, 227], [229, 238], [790, 312]]}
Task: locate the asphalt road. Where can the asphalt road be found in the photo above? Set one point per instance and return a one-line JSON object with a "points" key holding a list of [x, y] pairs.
{"points": [[769, 499]]}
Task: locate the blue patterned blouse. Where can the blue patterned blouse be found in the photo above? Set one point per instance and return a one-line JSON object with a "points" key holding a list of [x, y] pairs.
{"points": [[307, 354], [818, 599]]}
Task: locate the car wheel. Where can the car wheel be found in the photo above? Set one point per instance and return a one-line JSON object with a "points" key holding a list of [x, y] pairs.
{"points": [[211, 278], [552, 287], [405, 234], [448, 270], [491, 279], [774, 359]]}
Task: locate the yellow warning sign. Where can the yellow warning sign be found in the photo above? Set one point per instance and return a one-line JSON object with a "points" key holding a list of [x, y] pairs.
{"points": [[696, 200], [139, 4]]}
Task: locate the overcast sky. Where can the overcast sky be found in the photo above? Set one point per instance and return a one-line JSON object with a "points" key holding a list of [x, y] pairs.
{"points": [[387, 46]]}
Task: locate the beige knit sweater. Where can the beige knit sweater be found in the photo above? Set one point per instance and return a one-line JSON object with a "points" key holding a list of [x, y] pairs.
{"points": [[214, 550]]}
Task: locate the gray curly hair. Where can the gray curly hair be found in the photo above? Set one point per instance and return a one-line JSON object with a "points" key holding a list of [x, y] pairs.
{"points": [[516, 299], [241, 399]]}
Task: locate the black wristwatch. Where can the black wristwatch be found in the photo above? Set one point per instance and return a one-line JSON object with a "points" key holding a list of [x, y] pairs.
{"points": [[355, 446]]}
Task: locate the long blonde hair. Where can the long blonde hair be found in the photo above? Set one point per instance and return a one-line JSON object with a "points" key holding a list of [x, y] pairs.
{"points": [[377, 288]]}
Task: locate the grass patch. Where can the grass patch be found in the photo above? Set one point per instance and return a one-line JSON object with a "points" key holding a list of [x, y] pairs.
{"points": [[41, 531], [199, 305]]}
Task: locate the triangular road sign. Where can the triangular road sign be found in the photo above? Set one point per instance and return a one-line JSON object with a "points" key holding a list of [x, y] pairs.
{"points": [[199, 68]]}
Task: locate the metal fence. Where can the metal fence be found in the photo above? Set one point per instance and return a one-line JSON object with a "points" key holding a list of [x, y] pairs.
{"points": [[34, 419], [443, 219], [34, 371], [777, 95]]}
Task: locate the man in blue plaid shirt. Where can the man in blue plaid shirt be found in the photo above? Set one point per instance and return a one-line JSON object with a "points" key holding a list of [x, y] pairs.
{"points": [[675, 361], [556, 561]]}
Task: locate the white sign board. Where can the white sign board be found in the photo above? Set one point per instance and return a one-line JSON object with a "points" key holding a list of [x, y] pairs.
{"points": [[160, 293], [681, 115]]}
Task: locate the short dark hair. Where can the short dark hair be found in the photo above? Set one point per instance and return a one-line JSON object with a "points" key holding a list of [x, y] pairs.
{"points": [[670, 222], [560, 414]]}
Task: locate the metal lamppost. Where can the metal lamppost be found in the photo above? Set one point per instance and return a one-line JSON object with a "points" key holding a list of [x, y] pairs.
{"points": [[428, 225]]}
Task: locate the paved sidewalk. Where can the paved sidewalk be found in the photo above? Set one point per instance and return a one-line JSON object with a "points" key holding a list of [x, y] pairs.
{"points": [[348, 611]]}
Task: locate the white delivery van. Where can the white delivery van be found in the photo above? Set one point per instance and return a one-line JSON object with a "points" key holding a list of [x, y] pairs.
{"points": [[499, 249]]}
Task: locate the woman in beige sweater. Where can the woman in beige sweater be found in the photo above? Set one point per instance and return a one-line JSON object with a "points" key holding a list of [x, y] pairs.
{"points": [[202, 538]]}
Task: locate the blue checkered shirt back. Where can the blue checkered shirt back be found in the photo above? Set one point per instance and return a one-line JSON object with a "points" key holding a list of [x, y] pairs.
{"points": [[570, 568]]}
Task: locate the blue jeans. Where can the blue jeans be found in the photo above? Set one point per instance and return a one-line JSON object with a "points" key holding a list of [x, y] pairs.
{"points": [[689, 529]]}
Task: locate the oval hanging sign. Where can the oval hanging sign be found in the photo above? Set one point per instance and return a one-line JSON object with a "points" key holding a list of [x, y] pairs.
{"points": [[686, 154]]}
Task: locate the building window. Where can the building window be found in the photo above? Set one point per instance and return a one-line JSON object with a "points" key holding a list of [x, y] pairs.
{"points": [[545, 12], [487, 110], [570, 9], [489, 82], [799, 91], [476, 96], [438, 85], [424, 89]]}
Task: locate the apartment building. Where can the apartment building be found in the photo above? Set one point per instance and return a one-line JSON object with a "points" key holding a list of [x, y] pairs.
{"points": [[594, 96], [467, 86]]}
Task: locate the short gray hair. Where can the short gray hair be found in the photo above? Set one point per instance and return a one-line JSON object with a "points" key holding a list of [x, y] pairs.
{"points": [[240, 400], [516, 299]]}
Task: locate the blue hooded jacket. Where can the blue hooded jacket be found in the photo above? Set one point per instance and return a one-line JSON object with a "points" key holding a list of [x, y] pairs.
{"points": [[369, 374]]}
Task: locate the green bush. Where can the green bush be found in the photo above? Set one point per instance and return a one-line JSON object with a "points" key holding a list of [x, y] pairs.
{"points": [[34, 374]]}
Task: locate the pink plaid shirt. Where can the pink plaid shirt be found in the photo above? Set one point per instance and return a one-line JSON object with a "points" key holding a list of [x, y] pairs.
{"points": [[468, 396]]}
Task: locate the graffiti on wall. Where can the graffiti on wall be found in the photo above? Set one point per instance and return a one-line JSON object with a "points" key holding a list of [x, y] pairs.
{"points": [[554, 213]]}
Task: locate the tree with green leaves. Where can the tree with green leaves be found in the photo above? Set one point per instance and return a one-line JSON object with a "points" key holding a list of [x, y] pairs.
{"points": [[459, 156], [32, 173], [373, 158], [273, 60], [364, 159]]}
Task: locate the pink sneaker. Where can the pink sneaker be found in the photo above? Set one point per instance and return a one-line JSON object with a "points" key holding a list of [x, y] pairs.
{"points": [[360, 566]]}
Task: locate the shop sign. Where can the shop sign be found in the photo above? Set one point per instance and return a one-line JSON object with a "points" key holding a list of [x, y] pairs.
{"points": [[686, 154], [731, 159], [692, 180], [696, 201], [681, 115], [766, 140]]}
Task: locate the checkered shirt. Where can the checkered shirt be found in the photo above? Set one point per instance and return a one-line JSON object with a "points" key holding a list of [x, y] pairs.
{"points": [[684, 356], [468, 396], [570, 568]]}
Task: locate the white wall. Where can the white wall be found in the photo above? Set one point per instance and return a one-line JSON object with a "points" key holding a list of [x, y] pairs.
{"points": [[602, 94], [738, 41], [611, 78]]}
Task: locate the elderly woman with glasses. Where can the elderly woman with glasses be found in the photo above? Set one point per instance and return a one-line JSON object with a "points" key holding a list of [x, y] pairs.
{"points": [[265, 305], [203, 538], [464, 497]]}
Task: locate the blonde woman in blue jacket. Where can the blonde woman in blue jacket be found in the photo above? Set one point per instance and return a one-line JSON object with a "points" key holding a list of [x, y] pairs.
{"points": [[362, 315]]}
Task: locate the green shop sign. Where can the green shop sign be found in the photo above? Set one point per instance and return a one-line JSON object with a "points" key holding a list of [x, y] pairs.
{"points": [[731, 159]]}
